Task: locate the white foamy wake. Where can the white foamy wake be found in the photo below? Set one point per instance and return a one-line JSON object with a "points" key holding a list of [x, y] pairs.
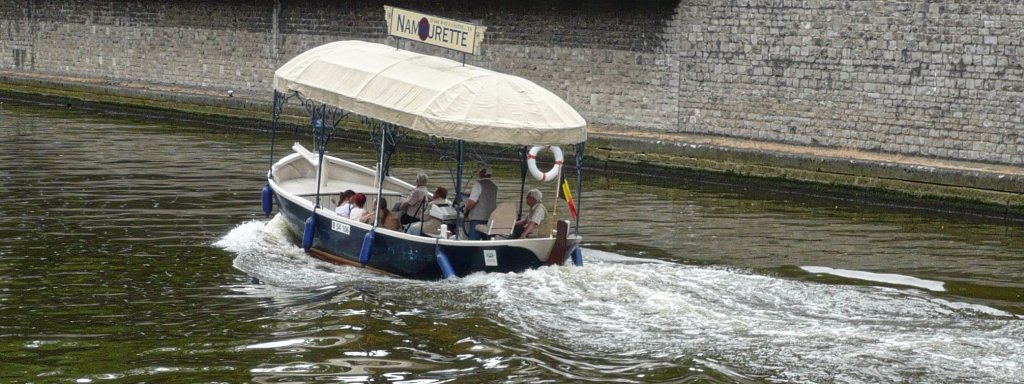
{"points": [[263, 250], [796, 331], [888, 278], [787, 330]]}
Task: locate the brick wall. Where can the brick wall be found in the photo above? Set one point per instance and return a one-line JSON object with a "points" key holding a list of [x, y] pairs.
{"points": [[940, 79]]}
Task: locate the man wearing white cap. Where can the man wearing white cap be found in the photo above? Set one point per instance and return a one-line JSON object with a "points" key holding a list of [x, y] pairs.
{"points": [[531, 223], [482, 200]]}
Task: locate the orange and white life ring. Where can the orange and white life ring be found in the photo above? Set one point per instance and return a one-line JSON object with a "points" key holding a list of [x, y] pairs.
{"points": [[549, 176]]}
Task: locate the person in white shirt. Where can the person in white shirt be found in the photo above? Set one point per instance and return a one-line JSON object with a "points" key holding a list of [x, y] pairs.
{"points": [[345, 203], [358, 201], [531, 223]]}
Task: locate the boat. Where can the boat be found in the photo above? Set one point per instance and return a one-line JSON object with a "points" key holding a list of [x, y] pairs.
{"points": [[394, 92]]}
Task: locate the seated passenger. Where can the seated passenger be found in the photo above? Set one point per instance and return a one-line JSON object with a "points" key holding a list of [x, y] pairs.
{"points": [[345, 203], [357, 211], [412, 207], [387, 219], [529, 226], [482, 200], [431, 224]]}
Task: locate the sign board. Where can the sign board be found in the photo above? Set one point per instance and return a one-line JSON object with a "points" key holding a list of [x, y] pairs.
{"points": [[490, 258], [452, 34], [341, 227]]}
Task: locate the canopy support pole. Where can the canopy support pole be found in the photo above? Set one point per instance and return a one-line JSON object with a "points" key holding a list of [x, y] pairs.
{"points": [[279, 100], [380, 175], [322, 133], [458, 189], [522, 179], [366, 249]]}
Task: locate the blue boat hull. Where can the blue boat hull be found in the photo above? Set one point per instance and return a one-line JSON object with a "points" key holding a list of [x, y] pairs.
{"points": [[340, 243]]}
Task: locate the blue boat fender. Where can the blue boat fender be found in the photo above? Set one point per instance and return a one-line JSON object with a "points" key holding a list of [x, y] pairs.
{"points": [[577, 257], [367, 248], [446, 266], [307, 233], [268, 200]]}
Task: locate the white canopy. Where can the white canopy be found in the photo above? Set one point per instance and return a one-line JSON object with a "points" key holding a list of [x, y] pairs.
{"points": [[429, 94]]}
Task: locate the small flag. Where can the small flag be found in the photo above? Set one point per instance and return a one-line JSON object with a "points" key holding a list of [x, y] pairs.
{"points": [[568, 198]]}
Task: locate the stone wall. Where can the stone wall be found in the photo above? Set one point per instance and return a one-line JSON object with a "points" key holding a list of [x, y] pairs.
{"points": [[16, 31], [940, 79]]}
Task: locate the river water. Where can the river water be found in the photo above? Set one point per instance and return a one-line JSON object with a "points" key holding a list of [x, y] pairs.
{"points": [[133, 249]]}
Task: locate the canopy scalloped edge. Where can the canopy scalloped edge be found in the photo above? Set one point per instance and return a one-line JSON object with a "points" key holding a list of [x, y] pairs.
{"points": [[432, 95]]}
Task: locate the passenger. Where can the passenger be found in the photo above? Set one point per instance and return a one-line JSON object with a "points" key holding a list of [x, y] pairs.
{"points": [[412, 208], [482, 200], [358, 201], [530, 224], [430, 224], [345, 203], [387, 219]]}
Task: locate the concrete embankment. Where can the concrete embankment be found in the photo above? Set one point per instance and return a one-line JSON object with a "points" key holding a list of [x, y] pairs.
{"points": [[985, 189]]}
